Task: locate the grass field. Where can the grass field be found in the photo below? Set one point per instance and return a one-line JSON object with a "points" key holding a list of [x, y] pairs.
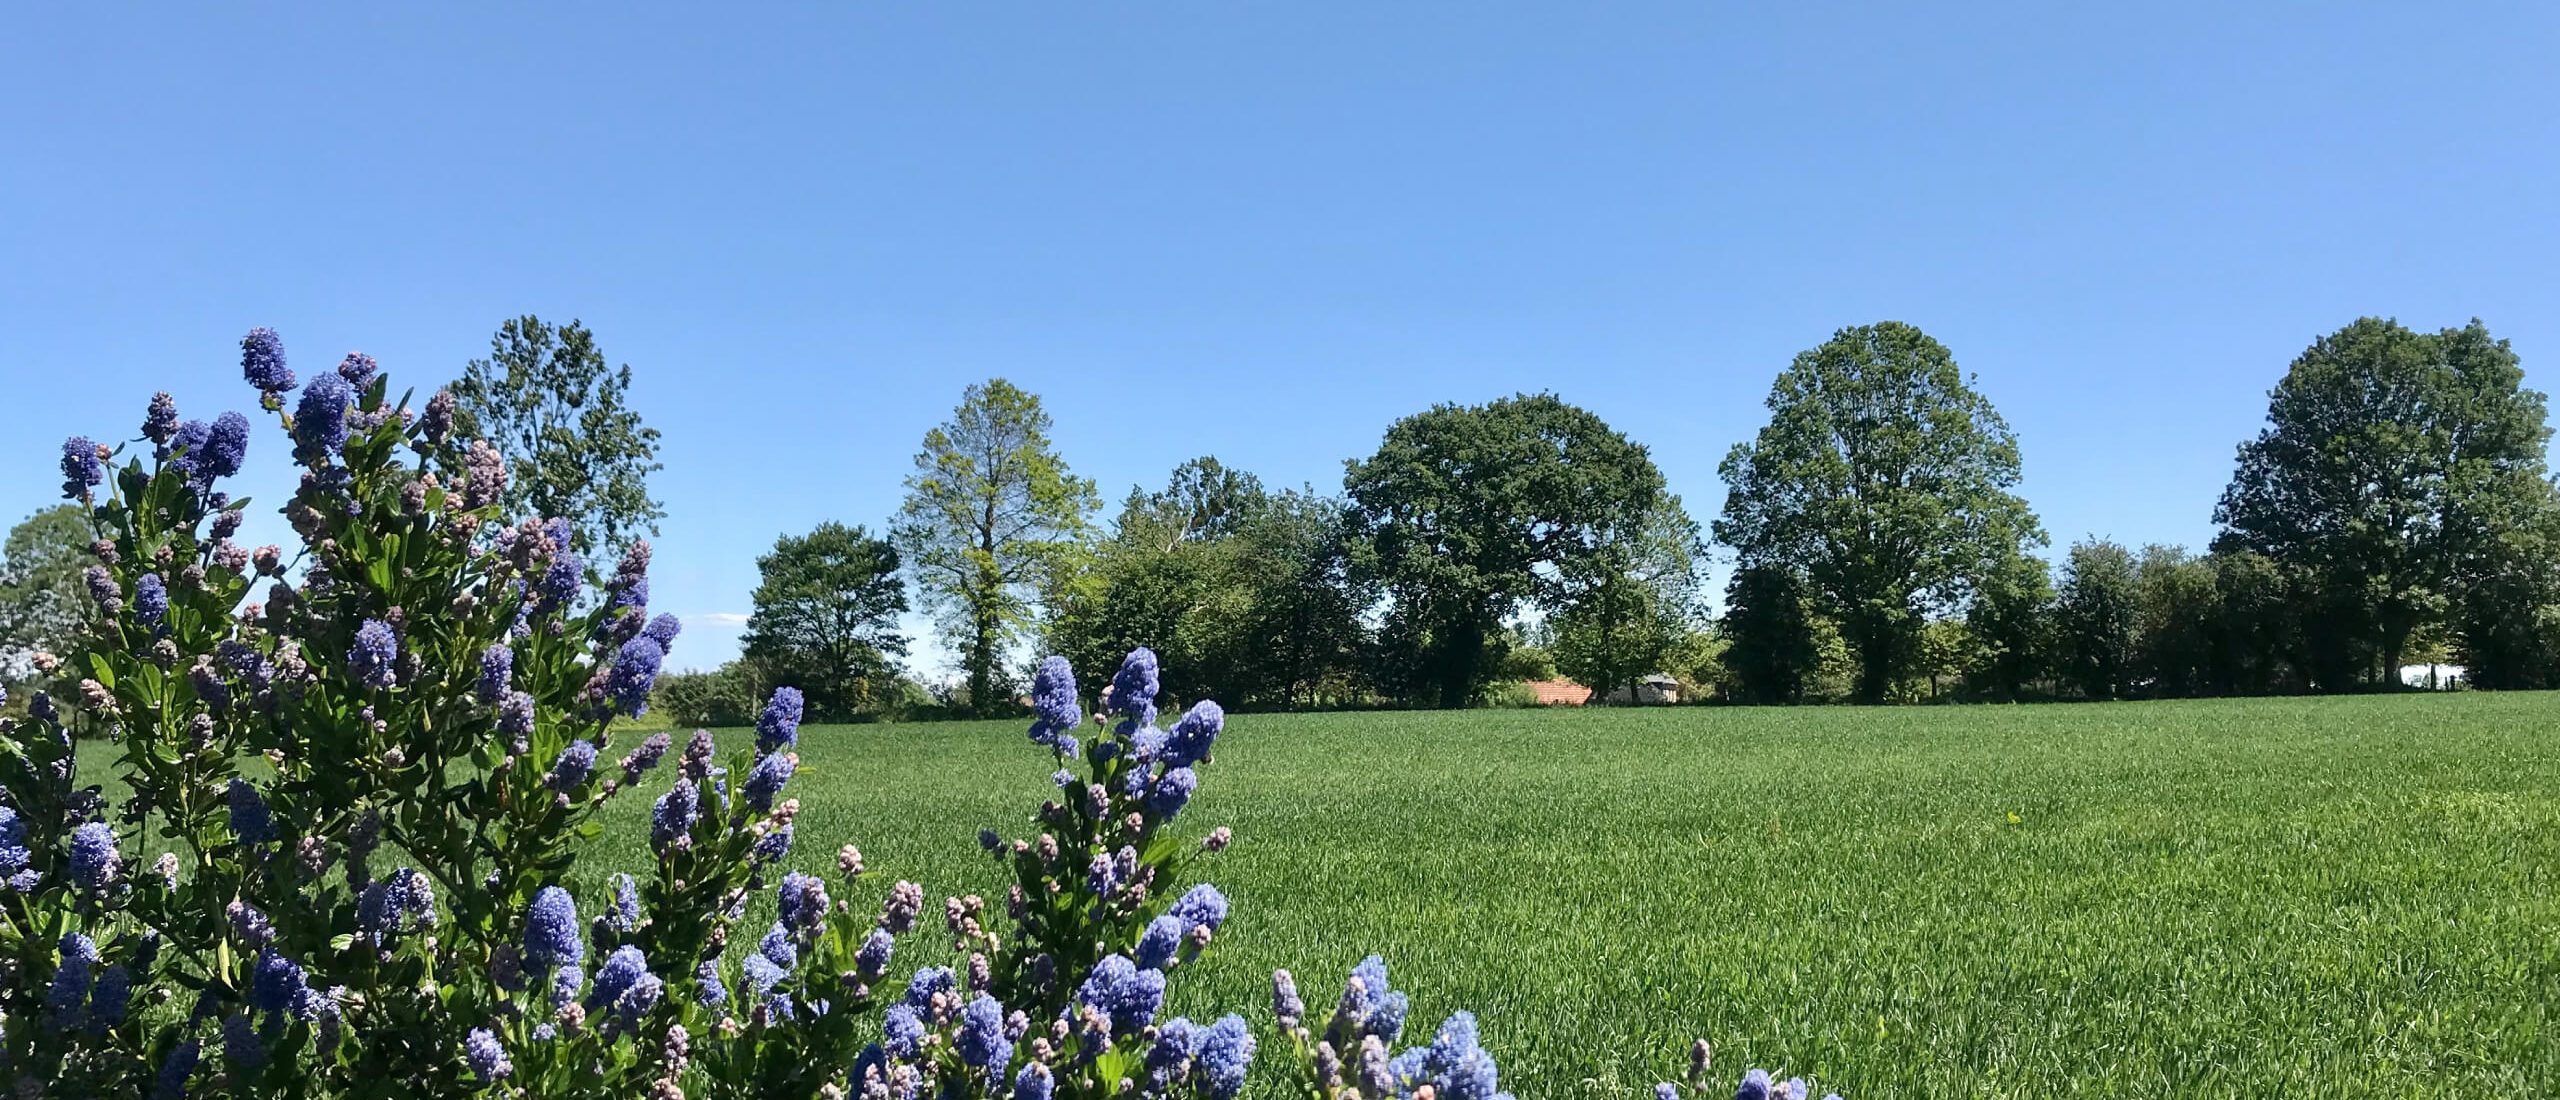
{"points": [[2284, 897], [2289, 897]]}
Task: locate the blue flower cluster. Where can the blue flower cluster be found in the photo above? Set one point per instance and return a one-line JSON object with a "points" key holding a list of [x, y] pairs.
{"points": [[375, 656], [1054, 706], [262, 361], [779, 725], [82, 469], [14, 854]]}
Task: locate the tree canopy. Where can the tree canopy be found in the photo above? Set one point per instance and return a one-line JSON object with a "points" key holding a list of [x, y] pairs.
{"points": [[992, 518], [42, 596], [1883, 480], [2393, 463], [826, 619], [547, 400], [1467, 513]]}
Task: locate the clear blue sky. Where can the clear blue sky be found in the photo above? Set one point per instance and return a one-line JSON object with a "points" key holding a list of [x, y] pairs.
{"points": [[1262, 230]]}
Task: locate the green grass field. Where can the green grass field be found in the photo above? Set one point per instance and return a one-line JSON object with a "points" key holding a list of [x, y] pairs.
{"points": [[2278, 897], [2285, 897]]}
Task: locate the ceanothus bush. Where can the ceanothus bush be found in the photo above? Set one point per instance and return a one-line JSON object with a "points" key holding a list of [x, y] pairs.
{"points": [[361, 777]]}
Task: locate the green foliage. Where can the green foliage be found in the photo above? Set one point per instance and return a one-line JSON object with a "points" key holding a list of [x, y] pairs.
{"points": [[1772, 652], [723, 698], [2012, 621], [1239, 590], [1466, 514], [41, 596], [2097, 620], [826, 620], [1884, 481], [2392, 463], [549, 402], [1633, 604], [991, 519]]}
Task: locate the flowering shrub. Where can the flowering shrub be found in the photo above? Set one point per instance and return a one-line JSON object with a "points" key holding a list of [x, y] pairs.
{"points": [[355, 805]]}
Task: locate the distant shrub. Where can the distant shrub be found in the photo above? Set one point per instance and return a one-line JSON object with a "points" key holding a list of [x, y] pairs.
{"points": [[722, 698]]}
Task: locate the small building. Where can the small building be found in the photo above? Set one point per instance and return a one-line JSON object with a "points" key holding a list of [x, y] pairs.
{"points": [[1653, 690]]}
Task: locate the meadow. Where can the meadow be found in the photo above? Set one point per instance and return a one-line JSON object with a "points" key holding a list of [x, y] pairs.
{"points": [[2275, 897]]}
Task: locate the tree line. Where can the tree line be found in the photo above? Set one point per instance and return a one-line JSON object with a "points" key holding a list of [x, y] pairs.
{"points": [[2396, 505]]}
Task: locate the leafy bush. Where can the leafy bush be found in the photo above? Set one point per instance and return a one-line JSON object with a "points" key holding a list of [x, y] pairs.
{"points": [[362, 799], [722, 698]]}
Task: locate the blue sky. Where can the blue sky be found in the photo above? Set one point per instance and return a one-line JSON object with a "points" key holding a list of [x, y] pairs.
{"points": [[1262, 231]]}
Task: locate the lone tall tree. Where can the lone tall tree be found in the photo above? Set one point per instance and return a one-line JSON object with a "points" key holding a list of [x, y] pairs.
{"points": [[1884, 480], [991, 514], [1468, 512], [546, 398], [2388, 457], [826, 617]]}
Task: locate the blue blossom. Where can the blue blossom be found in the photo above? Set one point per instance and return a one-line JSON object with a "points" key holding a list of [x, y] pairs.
{"points": [[902, 1031], [151, 603], [488, 1059], [1755, 1086], [1201, 905], [81, 468], [1225, 1053], [706, 978], [663, 630], [771, 847], [766, 779], [981, 1042], [927, 982], [375, 656], [1387, 1014], [1053, 701], [1102, 875], [1666, 1091], [72, 979], [14, 855], [624, 915], [1285, 1002], [358, 369], [161, 422], [777, 946], [763, 974], [1066, 745], [574, 765], [400, 898], [565, 983], [1123, 991], [802, 900], [629, 584], [171, 1084], [672, 818], [278, 986], [320, 420], [565, 572], [1133, 690], [1172, 792], [1034, 1083], [226, 445], [251, 821], [240, 1043], [873, 957], [1169, 1057], [93, 855], [515, 714], [262, 361], [635, 671], [551, 931], [497, 670], [1189, 740], [624, 986], [1161, 941], [779, 725]]}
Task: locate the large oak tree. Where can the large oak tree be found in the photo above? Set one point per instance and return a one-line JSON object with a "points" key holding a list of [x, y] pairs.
{"points": [[1884, 481]]}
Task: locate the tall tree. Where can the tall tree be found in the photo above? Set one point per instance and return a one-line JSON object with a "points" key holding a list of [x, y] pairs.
{"points": [[2508, 617], [1772, 649], [826, 618], [1634, 606], [2176, 614], [42, 596], [1884, 480], [547, 400], [2385, 451], [1468, 513], [2012, 621], [2096, 618], [992, 516]]}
